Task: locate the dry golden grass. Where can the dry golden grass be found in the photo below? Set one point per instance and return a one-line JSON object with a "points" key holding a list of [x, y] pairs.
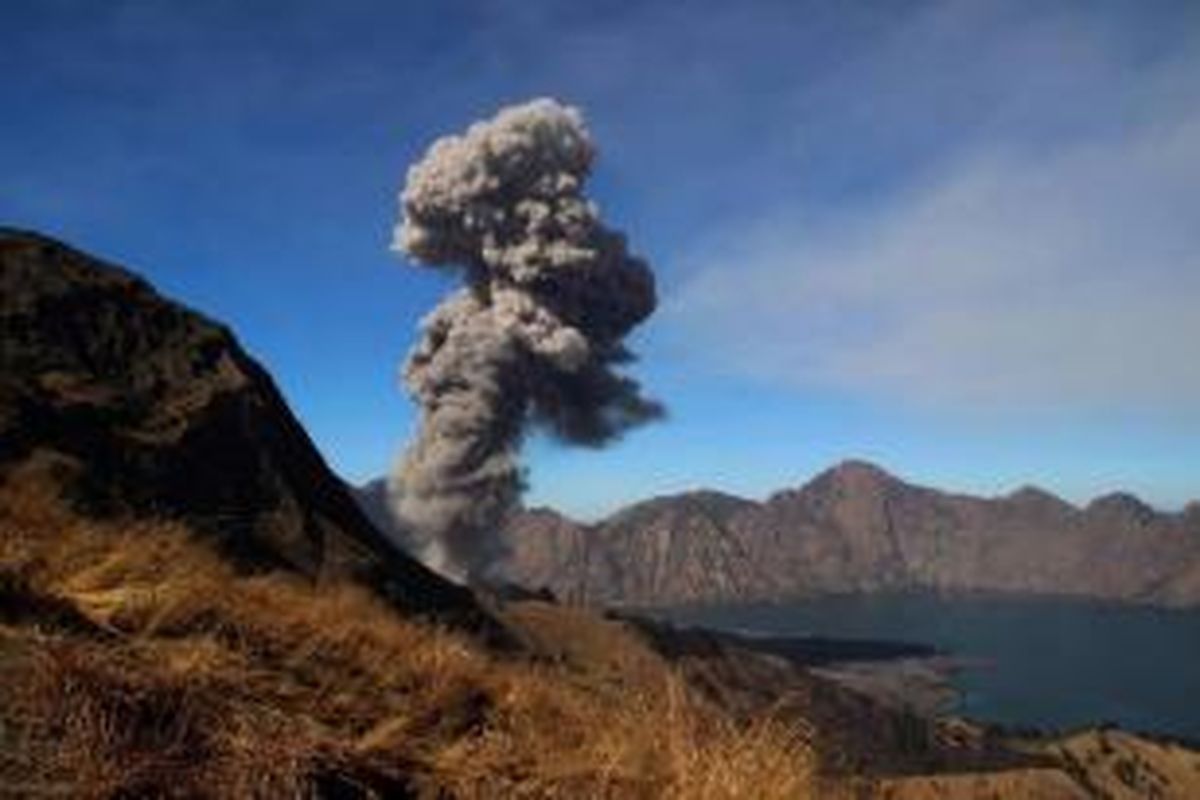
{"points": [[134, 662]]}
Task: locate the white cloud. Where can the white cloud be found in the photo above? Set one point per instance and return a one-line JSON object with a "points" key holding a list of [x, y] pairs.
{"points": [[1033, 270]]}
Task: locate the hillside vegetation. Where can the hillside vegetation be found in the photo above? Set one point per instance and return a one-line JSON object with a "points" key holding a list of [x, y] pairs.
{"points": [[136, 662]]}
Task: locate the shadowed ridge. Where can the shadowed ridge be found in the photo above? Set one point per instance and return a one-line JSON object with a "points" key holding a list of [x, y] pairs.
{"points": [[138, 405], [372, 499]]}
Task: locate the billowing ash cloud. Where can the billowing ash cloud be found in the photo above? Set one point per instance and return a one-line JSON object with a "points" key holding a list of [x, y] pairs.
{"points": [[532, 339]]}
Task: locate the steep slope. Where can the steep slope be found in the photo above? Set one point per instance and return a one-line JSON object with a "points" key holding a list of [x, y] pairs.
{"points": [[372, 499], [135, 405], [856, 528]]}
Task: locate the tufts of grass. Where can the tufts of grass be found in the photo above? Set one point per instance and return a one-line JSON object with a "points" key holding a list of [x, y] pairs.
{"points": [[135, 662]]}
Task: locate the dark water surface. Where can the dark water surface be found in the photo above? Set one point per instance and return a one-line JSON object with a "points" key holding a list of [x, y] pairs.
{"points": [[1047, 663]]}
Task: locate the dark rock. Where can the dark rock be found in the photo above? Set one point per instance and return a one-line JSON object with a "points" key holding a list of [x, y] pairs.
{"points": [[141, 406]]}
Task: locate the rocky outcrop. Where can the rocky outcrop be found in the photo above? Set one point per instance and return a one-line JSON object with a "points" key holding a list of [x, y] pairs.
{"points": [[135, 405], [856, 528]]}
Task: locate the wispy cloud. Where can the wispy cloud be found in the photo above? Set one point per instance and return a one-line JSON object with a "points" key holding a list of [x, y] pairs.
{"points": [[1045, 256]]}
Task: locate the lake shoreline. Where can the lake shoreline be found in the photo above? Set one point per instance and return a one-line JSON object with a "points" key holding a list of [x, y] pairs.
{"points": [[1095, 601], [1015, 663], [900, 674]]}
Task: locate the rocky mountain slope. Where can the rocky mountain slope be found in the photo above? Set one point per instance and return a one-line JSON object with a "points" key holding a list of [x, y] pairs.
{"points": [[133, 404], [856, 528]]}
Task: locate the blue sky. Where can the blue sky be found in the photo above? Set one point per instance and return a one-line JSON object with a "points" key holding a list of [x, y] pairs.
{"points": [[961, 239]]}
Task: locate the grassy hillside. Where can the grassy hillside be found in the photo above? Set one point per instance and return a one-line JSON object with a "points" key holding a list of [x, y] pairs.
{"points": [[136, 662]]}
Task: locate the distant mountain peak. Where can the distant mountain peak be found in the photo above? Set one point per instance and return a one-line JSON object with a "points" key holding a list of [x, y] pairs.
{"points": [[717, 504], [1036, 496], [852, 476], [1121, 504], [859, 468]]}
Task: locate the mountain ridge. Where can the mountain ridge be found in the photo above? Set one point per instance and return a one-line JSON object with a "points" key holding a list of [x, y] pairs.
{"points": [[1028, 492], [856, 527]]}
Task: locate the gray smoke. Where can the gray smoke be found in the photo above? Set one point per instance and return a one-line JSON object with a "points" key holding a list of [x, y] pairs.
{"points": [[532, 339]]}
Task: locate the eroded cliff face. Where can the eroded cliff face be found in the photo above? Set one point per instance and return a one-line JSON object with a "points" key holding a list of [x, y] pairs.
{"points": [[134, 405], [857, 528]]}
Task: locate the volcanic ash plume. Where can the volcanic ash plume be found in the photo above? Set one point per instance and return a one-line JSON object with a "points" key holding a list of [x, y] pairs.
{"points": [[532, 339]]}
